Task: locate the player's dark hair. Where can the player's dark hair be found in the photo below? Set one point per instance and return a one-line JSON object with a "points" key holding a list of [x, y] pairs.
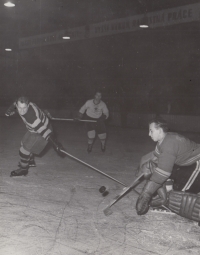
{"points": [[98, 91], [23, 100], [160, 123]]}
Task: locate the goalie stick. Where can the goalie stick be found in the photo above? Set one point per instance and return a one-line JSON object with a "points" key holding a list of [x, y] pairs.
{"points": [[125, 191], [107, 211], [101, 172]]}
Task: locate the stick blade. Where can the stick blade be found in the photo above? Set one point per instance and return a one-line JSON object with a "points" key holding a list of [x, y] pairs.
{"points": [[107, 211]]}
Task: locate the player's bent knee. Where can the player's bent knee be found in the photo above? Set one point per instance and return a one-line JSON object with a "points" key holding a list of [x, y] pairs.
{"points": [[91, 134], [102, 136]]}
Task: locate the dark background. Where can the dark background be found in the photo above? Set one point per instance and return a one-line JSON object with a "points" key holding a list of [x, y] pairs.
{"points": [[142, 71]]}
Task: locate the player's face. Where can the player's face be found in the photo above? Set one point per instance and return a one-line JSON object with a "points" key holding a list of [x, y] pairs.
{"points": [[22, 108], [97, 96], [155, 133]]}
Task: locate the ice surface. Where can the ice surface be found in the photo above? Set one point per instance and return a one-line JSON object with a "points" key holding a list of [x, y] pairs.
{"points": [[58, 209]]}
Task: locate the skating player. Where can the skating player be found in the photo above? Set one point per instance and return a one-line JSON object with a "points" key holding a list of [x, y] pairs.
{"points": [[177, 158], [39, 133], [97, 110]]}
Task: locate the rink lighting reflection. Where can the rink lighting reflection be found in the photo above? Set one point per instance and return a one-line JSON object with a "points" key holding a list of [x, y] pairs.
{"points": [[144, 26], [66, 37], [8, 49], [9, 4]]}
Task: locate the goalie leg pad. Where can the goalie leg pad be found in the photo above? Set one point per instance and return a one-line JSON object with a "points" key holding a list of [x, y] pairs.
{"points": [[185, 204], [143, 201], [161, 198]]}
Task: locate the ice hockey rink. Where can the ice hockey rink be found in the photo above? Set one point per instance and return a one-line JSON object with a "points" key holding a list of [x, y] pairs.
{"points": [[144, 58], [58, 209]]}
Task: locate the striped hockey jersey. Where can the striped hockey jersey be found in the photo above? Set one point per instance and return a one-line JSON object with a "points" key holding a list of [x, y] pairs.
{"points": [[36, 121]]}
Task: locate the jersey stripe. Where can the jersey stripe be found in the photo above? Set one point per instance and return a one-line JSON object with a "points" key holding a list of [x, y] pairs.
{"points": [[192, 177], [191, 160], [159, 175], [41, 123]]}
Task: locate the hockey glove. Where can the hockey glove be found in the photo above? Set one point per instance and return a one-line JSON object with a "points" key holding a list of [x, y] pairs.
{"points": [[102, 118], [147, 169], [143, 202], [48, 114], [11, 110], [79, 117], [56, 145]]}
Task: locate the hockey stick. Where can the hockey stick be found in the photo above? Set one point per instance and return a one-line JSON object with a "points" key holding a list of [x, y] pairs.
{"points": [[124, 192], [72, 119], [97, 170], [107, 211], [48, 114]]}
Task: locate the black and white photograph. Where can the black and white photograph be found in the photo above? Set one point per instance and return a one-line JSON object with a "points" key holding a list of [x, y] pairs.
{"points": [[100, 127]]}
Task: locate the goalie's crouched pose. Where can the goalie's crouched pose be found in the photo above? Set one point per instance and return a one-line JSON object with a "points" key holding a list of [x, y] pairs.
{"points": [[177, 158], [39, 133]]}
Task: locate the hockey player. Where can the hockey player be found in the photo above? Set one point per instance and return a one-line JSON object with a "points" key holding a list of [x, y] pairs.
{"points": [[177, 158], [39, 133], [96, 110]]}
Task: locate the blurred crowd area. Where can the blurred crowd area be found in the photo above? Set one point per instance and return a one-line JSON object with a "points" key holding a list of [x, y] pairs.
{"points": [[123, 103]]}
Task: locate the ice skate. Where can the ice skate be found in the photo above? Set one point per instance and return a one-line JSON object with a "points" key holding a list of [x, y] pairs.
{"points": [[19, 172], [32, 163]]}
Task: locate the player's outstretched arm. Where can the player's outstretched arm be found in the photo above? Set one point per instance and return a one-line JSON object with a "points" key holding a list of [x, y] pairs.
{"points": [[11, 110]]}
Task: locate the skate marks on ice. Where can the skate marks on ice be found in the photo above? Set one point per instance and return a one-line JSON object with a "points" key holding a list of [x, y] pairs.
{"points": [[38, 221], [58, 210], [127, 233], [65, 216], [47, 215]]}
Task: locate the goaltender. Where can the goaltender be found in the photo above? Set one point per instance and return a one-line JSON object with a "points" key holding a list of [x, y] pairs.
{"points": [[175, 157]]}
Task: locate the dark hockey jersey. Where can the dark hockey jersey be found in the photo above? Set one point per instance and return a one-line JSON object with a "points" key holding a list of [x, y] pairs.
{"points": [[174, 149]]}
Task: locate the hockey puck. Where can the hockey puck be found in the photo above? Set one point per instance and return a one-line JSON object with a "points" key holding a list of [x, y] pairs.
{"points": [[105, 193], [102, 189]]}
